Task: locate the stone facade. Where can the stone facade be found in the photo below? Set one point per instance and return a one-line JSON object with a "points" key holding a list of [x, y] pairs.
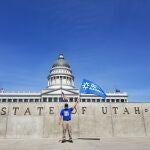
{"points": [[21, 120]]}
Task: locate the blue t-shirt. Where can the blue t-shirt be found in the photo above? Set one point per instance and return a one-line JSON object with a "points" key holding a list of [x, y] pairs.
{"points": [[66, 113]]}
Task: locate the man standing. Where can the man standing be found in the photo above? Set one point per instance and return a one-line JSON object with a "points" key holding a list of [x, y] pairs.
{"points": [[65, 120]]}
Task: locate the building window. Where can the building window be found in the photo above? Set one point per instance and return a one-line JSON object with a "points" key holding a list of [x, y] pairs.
{"points": [[122, 100], [9, 100], [71, 99], [108, 100], [31, 100], [113, 100], [55, 99], [88, 100], [20, 100], [36, 100], [44, 99], [76, 99], [117, 100], [14, 100], [25, 100], [3, 100], [83, 100], [98, 100], [49, 99], [93, 100], [60, 99], [103, 100]]}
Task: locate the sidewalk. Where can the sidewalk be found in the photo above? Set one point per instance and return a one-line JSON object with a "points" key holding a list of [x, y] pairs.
{"points": [[79, 144]]}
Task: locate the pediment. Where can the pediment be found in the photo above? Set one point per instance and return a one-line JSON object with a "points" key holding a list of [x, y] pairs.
{"points": [[59, 92]]}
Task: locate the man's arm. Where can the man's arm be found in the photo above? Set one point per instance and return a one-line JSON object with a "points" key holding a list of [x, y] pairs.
{"points": [[60, 120], [60, 117], [75, 104]]}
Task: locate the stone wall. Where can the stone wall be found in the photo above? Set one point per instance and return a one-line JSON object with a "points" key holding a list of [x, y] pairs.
{"points": [[21, 120]]}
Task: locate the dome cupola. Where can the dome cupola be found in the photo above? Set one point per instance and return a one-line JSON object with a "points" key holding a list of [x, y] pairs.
{"points": [[61, 62], [61, 74]]}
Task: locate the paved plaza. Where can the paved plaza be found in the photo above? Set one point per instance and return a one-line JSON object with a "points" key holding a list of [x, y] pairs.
{"points": [[79, 144]]}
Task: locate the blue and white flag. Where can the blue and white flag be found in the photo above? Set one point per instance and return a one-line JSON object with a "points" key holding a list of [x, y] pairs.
{"points": [[88, 87]]}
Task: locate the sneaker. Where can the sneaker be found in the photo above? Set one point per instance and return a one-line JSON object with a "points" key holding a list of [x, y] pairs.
{"points": [[63, 141], [70, 140]]}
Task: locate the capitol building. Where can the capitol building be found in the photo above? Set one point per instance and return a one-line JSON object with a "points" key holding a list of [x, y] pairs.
{"points": [[60, 80]]}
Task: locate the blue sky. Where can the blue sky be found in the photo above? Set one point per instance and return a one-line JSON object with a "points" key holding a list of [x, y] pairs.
{"points": [[107, 42]]}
